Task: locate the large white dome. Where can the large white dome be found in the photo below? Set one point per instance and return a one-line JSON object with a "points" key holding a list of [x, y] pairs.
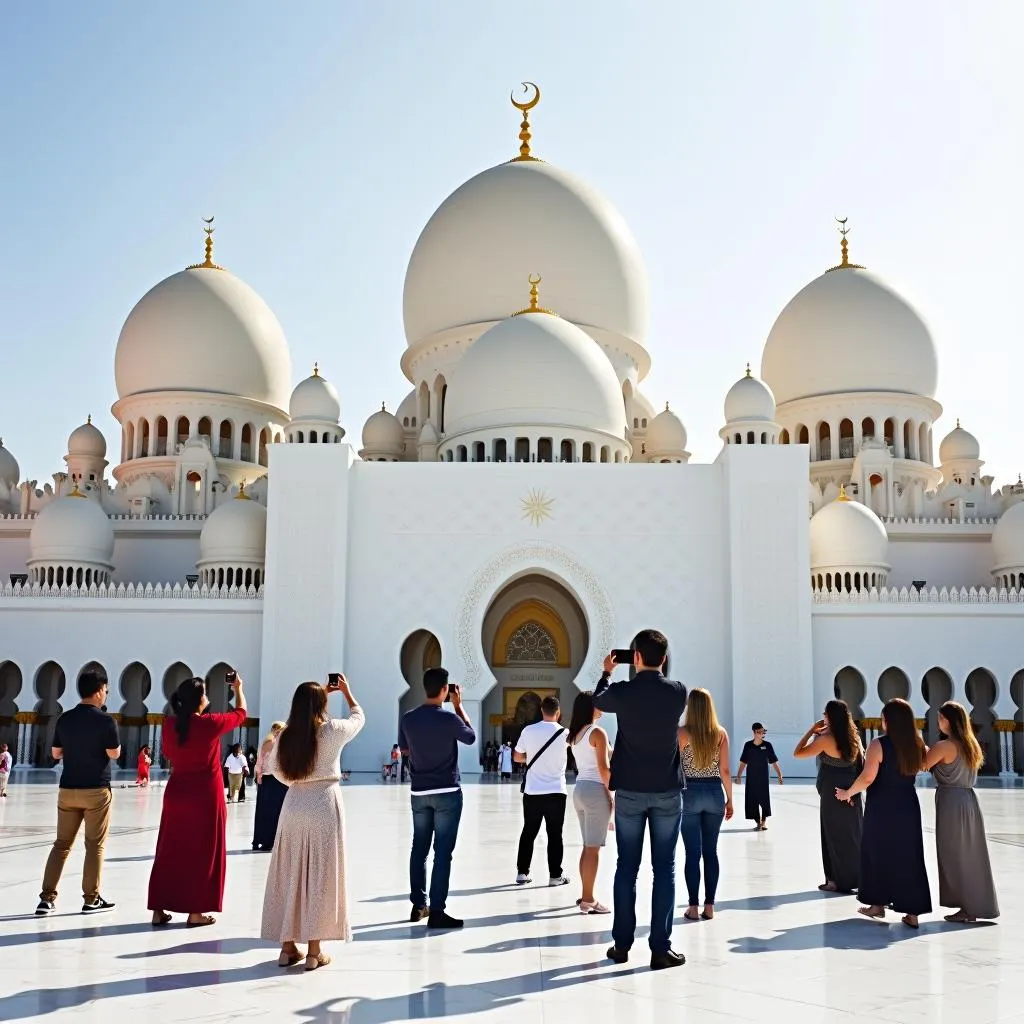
{"points": [[848, 331], [1008, 539], [204, 330], [848, 535], [517, 219], [72, 529], [534, 370], [235, 532]]}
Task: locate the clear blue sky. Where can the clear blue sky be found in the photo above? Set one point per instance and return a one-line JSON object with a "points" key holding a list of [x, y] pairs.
{"points": [[324, 134]]}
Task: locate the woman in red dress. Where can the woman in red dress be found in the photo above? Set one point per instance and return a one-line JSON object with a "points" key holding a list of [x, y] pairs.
{"points": [[142, 767], [191, 849]]}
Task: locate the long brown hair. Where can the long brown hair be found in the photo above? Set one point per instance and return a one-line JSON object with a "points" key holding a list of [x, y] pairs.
{"points": [[582, 715], [185, 703], [703, 728], [961, 732], [296, 746], [843, 730], [901, 729]]}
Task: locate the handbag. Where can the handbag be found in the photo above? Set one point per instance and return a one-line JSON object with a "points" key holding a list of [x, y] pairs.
{"points": [[554, 736]]}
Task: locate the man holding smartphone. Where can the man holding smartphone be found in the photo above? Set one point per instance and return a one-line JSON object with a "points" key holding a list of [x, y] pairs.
{"points": [[647, 780], [429, 735]]}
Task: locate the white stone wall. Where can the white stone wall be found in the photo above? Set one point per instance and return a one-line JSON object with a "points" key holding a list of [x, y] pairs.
{"points": [[951, 556]]}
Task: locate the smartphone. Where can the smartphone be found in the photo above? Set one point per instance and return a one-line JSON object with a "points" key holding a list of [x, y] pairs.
{"points": [[334, 680], [622, 656], [230, 676], [452, 688]]}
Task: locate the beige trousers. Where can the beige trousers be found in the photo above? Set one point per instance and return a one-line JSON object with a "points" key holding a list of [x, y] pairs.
{"points": [[75, 806], [234, 785], [4, 776]]}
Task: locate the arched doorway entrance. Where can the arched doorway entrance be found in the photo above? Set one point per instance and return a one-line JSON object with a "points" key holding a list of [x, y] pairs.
{"points": [[135, 686], [535, 638], [10, 688], [50, 684], [420, 651]]}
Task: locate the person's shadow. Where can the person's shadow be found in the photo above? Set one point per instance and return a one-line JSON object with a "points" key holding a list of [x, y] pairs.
{"points": [[851, 934], [441, 1001]]}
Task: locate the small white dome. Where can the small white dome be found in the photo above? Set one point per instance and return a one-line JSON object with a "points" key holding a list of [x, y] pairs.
{"points": [[848, 331], [749, 399], [382, 432], [315, 398], [204, 330], [1008, 539], [72, 529], [534, 370], [10, 471], [428, 435], [516, 219], [666, 434], [87, 440], [848, 535], [959, 444], [235, 532]]}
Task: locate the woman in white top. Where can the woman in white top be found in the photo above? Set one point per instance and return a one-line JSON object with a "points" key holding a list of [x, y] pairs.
{"points": [[590, 796], [237, 771]]}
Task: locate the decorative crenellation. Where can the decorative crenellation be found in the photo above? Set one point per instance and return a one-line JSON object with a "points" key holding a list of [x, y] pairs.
{"points": [[120, 591], [126, 517], [506, 564], [935, 521], [933, 595]]}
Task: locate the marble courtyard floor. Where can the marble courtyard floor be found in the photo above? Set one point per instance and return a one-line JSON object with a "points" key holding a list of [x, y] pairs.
{"points": [[778, 951]]}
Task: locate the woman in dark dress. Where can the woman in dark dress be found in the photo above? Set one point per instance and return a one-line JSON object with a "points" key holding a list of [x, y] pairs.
{"points": [[835, 742], [270, 794], [191, 849], [892, 871], [757, 755]]}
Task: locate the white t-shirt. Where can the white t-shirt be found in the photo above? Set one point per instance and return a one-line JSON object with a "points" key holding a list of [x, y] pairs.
{"points": [[506, 760], [235, 764], [548, 772]]}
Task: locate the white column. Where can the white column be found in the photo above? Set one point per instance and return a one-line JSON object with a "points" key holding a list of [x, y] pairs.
{"points": [[897, 440], [469, 756], [22, 747]]}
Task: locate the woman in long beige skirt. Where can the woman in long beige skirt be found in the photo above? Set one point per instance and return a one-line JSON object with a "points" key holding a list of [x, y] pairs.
{"points": [[306, 898]]}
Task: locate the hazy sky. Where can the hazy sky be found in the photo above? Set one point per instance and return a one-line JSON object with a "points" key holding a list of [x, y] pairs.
{"points": [[324, 134]]}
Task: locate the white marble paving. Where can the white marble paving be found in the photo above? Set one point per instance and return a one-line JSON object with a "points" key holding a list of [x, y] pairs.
{"points": [[778, 950]]}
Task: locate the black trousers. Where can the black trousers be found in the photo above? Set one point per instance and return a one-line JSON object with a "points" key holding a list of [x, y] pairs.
{"points": [[548, 808]]}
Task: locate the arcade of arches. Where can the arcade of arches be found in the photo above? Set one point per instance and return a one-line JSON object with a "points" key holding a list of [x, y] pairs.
{"points": [[31, 702], [1001, 741]]}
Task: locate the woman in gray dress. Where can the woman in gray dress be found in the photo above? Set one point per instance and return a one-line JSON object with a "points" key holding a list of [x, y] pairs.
{"points": [[965, 874]]}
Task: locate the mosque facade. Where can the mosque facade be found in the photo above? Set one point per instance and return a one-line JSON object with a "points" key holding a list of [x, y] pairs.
{"points": [[523, 510]]}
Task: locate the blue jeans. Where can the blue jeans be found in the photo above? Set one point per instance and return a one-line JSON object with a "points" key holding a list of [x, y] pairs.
{"points": [[703, 813], [434, 818], [634, 813]]}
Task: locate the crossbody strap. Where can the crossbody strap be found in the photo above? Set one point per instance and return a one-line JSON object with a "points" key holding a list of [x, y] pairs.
{"points": [[533, 760]]}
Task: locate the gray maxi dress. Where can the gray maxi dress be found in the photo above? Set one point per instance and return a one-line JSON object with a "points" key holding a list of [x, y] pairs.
{"points": [[965, 874]]}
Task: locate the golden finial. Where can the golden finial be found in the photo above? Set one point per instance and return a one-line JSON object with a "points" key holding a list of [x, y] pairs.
{"points": [[666, 407], [383, 407], [844, 248], [534, 306], [75, 492], [842, 493], [316, 369], [958, 423], [208, 263], [748, 369], [241, 495], [524, 129]]}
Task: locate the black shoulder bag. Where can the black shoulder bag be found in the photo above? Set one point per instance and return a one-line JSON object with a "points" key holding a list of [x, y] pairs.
{"points": [[533, 760]]}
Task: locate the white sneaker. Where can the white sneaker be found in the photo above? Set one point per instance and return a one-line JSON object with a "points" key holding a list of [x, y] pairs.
{"points": [[561, 880], [522, 879]]}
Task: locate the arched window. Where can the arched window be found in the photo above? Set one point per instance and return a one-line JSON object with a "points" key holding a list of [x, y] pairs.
{"points": [[784, 437], [205, 431], [161, 436], [846, 439], [889, 433], [531, 642], [605, 452], [824, 442], [739, 438], [264, 438], [522, 449], [462, 456], [500, 450], [225, 439], [144, 431], [803, 436], [129, 441], [246, 454], [867, 427], [750, 437], [545, 450], [478, 451], [181, 430], [588, 451], [567, 453]]}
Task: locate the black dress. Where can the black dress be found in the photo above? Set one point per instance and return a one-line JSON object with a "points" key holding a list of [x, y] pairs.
{"points": [[841, 823], [892, 871], [757, 803], [270, 794]]}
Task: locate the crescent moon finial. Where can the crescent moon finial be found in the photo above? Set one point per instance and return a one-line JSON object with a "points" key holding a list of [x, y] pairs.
{"points": [[207, 263], [524, 129], [844, 247]]}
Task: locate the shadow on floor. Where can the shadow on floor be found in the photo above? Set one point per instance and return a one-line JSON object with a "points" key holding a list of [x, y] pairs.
{"points": [[391, 931], [852, 934], [92, 931], [484, 890], [594, 938], [781, 899]]}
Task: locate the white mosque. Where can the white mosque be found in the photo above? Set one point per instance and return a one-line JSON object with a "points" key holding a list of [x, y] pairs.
{"points": [[523, 509]]}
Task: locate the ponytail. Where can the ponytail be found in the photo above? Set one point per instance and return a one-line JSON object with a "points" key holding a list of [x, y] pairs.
{"points": [[185, 703]]}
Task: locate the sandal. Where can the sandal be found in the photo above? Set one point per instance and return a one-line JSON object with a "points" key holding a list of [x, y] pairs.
{"points": [[320, 960], [593, 908], [828, 887], [160, 919], [705, 916], [866, 912], [204, 920], [910, 924], [287, 959], [691, 917], [960, 918]]}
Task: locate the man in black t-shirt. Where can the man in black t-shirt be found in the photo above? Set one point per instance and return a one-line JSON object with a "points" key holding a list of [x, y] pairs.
{"points": [[86, 740]]}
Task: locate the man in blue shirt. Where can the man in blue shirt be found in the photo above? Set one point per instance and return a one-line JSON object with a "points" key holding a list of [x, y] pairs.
{"points": [[430, 736], [647, 782]]}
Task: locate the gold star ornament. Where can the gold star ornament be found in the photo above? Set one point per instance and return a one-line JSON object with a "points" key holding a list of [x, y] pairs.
{"points": [[537, 507]]}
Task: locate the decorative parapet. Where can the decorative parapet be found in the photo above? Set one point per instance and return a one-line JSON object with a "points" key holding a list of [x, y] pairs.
{"points": [[121, 591], [936, 521], [115, 517], [904, 595]]}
